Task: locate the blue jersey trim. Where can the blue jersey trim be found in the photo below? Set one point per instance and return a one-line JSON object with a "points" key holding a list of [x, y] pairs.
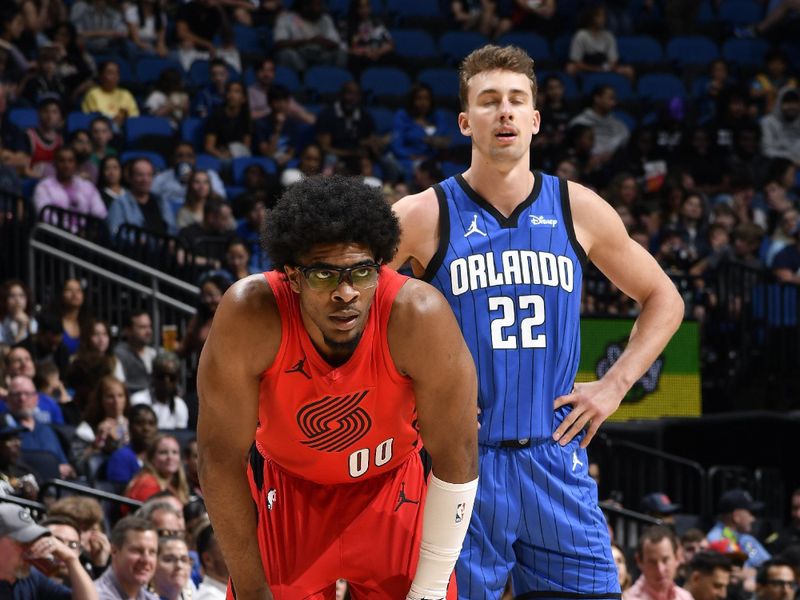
{"points": [[511, 220], [566, 210], [444, 235]]}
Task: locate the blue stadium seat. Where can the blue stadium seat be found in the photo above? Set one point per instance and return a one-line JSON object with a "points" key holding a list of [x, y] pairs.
{"points": [[136, 127], [148, 69], [207, 162], [339, 8], [24, 117], [443, 82], [326, 81], [198, 73], [705, 13], [692, 50], [238, 166], [79, 120], [402, 10], [413, 43], [385, 81], [535, 45], [639, 50], [249, 39], [449, 168], [455, 45], [158, 161], [288, 78], [383, 119], [626, 118], [740, 12], [192, 130], [570, 86], [745, 53], [620, 83], [660, 86], [561, 47]]}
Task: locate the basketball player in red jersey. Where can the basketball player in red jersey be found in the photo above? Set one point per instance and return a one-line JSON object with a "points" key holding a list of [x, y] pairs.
{"points": [[337, 366]]}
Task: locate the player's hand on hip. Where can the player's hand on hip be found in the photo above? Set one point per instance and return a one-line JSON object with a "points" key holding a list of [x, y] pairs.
{"points": [[592, 403]]}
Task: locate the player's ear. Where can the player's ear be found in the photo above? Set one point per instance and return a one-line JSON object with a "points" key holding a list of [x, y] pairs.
{"points": [[463, 124], [293, 274], [537, 121]]}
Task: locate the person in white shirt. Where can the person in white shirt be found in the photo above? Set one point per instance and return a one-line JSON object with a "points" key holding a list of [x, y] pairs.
{"points": [[215, 581], [162, 394]]}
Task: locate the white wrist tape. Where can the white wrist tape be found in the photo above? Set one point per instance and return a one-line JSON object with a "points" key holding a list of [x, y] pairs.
{"points": [[448, 508]]}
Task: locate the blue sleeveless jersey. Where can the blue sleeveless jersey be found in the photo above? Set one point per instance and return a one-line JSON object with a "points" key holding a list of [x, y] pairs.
{"points": [[514, 284]]}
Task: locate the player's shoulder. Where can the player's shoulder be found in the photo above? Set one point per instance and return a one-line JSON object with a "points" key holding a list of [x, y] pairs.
{"points": [[248, 302], [416, 302], [418, 208]]}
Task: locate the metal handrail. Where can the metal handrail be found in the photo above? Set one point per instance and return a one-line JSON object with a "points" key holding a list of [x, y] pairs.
{"points": [[653, 452], [617, 511], [38, 507], [90, 491]]}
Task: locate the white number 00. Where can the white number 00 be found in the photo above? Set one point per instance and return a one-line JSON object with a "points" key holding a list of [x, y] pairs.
{"points": [[509, 317]]}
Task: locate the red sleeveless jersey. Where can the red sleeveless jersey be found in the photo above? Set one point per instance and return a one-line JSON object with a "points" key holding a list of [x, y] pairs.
{"points": [[336, 424]]}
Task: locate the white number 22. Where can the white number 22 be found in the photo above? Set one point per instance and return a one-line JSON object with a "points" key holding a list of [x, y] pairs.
{"points": [[509, 317]]}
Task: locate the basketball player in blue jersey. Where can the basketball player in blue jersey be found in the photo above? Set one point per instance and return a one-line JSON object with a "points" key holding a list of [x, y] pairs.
{"points": [[508, 248]]}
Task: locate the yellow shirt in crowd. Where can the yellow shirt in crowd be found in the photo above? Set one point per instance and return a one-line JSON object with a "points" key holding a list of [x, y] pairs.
{"points": [[109, 104]]}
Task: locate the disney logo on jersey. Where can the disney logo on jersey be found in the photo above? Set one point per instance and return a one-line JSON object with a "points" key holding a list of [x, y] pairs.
{"points": [[333, 423], [647, 384], [543, 220]]}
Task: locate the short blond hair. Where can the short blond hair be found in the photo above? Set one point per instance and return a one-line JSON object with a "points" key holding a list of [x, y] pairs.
{"points": [[490, 58]]}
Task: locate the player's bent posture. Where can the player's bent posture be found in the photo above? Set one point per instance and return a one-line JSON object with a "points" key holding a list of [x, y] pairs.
{"points": [[507, 248], [337, 366]]}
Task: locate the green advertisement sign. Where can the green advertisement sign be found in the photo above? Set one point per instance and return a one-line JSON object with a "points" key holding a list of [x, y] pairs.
{"points": [[670, 388]]}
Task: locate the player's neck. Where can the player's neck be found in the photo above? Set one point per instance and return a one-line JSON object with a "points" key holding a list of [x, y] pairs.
{"points": [[503, 185]]}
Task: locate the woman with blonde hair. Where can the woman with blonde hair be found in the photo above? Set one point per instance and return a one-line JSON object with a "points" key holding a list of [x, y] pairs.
{"points": [[105, 426], [162, 470], [623, 574], [198, 191]]}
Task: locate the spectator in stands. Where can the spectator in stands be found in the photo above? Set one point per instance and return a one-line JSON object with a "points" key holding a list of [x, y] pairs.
{"points": [[71, 308], [426, 174], [80, 141], [11, 27], [368, 39], [215, 580], [68, 191], [210, 238], [75, 66], [88, 515], [346, 128], [527, 15], [258, 94], [211, 291], [257, 184], [249, 229], [228, 132], [747, 239], [22, 401], [23, 544], [746, 160], [704, 162], [656, 557], [162, 470], [16, 477], [46, 82], [170, 184], [105, 428], [555, 113], [766, 85], [94, 360], [162, 394], [198, 191], [168, 98], [142, 208], [707, 576], [101, 136], [306, 36], [278, 135], [692, 541], [789, 535], [134, 546], [165, 514], [124, 463], [18, 361], [480, 15], [190, 465], [102, 28], [780, 130], [108, 98], [48, 383], [776, 580], [66, 531], [732, 114], [237, 260], [610, 134], [736, 518], [659, 505], [623, 574], [212, 96], [786, 264], [16, 312], [109, 182], [594, 48], [135, 353], [147, 26], [196, 24], [418, 131], [783, 236], [779, 11], [46, 345], [173, 566]]}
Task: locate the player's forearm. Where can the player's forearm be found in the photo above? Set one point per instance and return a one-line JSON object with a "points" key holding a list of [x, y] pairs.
{"points": [[230, 507], [661, 316]]}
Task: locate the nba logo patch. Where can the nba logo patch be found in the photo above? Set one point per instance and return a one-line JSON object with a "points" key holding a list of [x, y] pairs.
{"points": [[272, 496], [460, 512]]}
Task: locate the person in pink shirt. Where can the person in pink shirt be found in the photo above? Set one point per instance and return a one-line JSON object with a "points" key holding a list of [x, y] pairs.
{"points": [[657, 559], [66, 190]]}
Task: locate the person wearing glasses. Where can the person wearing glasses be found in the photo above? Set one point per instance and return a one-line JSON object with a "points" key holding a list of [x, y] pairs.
{"points": [[776, 580], [173, 566], [341, 369], [66, 531], [162, 394]]}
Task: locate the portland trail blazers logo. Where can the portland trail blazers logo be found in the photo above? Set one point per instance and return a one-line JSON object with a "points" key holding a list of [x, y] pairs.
{"points": [[335, 422]]}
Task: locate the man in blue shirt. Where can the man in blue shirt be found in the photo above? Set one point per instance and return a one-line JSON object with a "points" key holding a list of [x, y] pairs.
{"points": [[24, 543], [736, 508]]}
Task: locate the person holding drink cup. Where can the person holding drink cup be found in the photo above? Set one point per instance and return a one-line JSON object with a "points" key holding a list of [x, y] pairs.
{"points": [[24, 544]]}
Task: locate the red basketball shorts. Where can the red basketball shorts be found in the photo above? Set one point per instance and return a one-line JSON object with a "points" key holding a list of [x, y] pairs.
{"points": [[366, 532]]}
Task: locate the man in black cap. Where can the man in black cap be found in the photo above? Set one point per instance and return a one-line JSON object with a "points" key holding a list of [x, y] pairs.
{"points": [[736, 518], [659, 505], [23, 543]]}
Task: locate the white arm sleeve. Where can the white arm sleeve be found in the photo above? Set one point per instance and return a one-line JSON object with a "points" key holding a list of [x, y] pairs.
{"points": [[448, 509]]}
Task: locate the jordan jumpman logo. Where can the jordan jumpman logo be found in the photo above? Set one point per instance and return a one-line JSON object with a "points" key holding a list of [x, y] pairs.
{"points": [[401, 499], [298, 368], [473, 228], [576, 461]]}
